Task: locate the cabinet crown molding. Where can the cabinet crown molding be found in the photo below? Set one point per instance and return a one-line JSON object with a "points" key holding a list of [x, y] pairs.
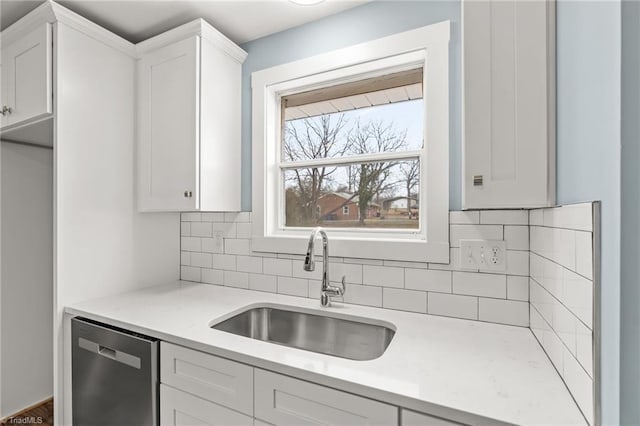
{"points": [[51, 12], [197, 27]]}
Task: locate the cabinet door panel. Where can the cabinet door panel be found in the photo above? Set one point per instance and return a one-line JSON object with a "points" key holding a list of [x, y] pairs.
{"points": [[210, 377], [168, 84], [179, 408], [282, 400], [509, 111], [26, 79]]}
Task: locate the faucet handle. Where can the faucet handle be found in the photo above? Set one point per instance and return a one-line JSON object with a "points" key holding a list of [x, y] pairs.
{"points": [[343, 289]]}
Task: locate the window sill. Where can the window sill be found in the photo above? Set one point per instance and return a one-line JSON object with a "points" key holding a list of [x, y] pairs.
{"points": [[379, 249]]}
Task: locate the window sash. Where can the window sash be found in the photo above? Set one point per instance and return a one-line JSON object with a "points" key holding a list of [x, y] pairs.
{"points": [[348, 160]]}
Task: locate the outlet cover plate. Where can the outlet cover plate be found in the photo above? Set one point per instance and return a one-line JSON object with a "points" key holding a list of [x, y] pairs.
{"points": [[483, 255]]}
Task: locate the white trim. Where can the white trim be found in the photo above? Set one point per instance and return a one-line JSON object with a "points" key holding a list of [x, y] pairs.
{"points": [[51, 12], [425, 47], [194, 28], [352, 159]]}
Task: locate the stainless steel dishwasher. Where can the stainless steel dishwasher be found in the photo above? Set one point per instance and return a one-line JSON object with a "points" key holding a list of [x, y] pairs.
{"points": [[114, 376]]}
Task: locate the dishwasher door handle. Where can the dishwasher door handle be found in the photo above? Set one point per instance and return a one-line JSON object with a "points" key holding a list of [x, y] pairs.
{"points": [[107, 352]]}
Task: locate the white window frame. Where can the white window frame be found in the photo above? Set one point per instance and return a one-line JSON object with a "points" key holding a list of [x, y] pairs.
{"points": [[426, 47], [345, 210]]}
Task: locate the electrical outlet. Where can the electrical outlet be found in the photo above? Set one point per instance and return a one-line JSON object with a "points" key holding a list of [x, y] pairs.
{"points": [[483, 255]]}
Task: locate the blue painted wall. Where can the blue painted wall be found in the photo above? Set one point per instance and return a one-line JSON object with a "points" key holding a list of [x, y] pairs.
{"points": [[588, 151], [357, 25], [630, 244]]}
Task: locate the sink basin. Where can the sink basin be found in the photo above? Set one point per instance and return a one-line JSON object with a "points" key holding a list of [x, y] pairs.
{"points": [[338, 336]]}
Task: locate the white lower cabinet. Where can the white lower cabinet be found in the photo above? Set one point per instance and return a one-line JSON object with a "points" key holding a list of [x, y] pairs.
{"points": [[210, 377], [282, 401], [411, 418], [179, 408], [203, 389]]}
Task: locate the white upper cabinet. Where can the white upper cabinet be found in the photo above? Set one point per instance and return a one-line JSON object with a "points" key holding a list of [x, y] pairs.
{"points": [[27, 77], [509, 103], [189, 122]]}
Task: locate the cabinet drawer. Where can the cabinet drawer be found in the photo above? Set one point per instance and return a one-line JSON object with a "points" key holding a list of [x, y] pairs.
{"points": [[281, 400], [216, 379], [179, 408], [411, 418]]}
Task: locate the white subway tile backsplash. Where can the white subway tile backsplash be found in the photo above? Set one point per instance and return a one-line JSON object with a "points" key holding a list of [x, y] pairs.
{"points": [[202, 260], [518, 263], [237, 246], [404, 300], [190, 244], [299, 272], [237, 217], [383, 276], [191, 217], [213, 276], [517, 237], [189, 273], [454, 261], [536, 217], [236, 279], [260, 282], [584, 347], [584, 254], [464, 217], [453, 305], [225, 262], [561, 314], [213, 245], [579, 383], [474, 232], [361, 295], [293, 286], [225, 230], [577, 295], [212, 217], [222, 242], [352, 272], [575, 216], [486, 285], [427, 280], [200, 229], [518, 288], [564, 324], [503, 311], [243, 230], [282, 267], [504, 217], [251, 264]]}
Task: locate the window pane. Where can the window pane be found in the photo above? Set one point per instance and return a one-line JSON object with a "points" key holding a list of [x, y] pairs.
{"points": [[369, 195], [384, 128]]}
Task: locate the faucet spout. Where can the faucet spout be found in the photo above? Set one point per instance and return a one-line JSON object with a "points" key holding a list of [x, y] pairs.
{"points": [[309, 265]]}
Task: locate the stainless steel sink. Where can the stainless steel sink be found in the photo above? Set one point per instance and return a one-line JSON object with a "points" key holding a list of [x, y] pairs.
{"points": [[345, 338]]}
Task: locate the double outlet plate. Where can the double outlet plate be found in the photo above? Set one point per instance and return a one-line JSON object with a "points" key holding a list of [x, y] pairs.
{"points": [[483, 255]]}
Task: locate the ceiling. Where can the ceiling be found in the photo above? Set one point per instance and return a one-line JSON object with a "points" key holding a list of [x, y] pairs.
{"points": [[137, 20]]}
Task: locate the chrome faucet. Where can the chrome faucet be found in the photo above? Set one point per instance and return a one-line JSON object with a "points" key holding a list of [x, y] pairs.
{"points": [[328, 291]]}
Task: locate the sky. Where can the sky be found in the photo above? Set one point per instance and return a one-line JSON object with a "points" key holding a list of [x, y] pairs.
{"points": [[405, 116]]}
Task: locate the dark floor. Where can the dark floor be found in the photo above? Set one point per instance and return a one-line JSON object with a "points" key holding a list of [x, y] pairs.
{"points": [[40, 415]]}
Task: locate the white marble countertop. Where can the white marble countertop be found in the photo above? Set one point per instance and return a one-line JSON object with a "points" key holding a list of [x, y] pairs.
{"points": [[469, 371]]}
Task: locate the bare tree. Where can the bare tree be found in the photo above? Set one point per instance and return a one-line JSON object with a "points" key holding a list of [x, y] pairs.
{"points": [[313, 138], [374, 178], [410, 172]]}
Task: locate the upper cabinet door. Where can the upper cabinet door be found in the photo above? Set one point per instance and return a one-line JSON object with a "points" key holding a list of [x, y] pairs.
{"points": [[168, 127], [509, 103], [27, 77]]}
